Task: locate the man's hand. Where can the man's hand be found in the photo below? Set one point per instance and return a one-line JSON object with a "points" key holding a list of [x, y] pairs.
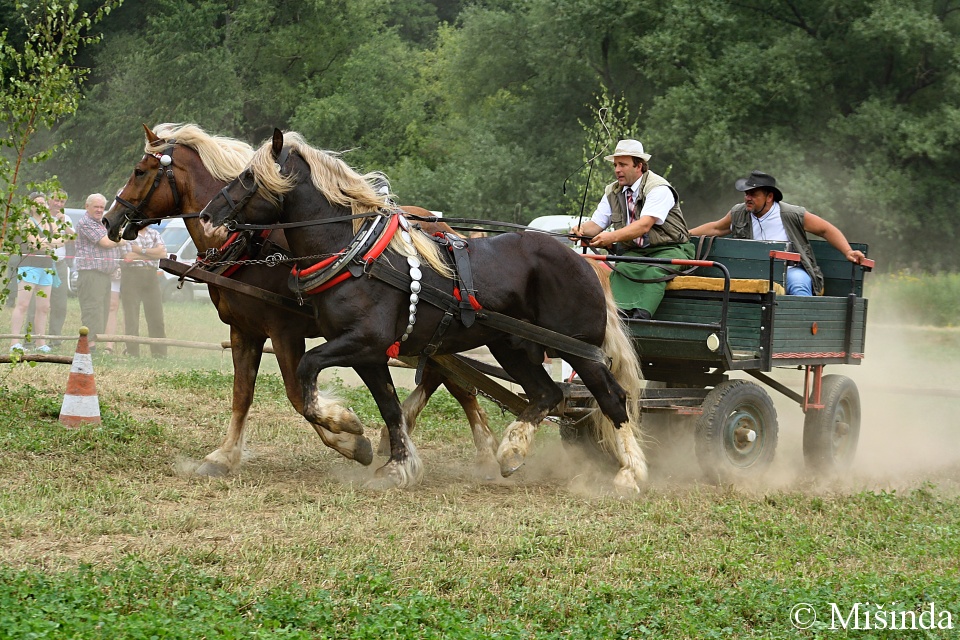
{"points": [[855, 256], [603, 240]]}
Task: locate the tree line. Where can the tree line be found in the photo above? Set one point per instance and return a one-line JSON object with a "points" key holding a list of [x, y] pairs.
{"points": [[489, 108]]}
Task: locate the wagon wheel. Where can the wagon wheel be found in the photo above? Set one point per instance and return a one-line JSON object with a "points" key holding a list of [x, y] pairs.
{"points": [[830, 435], [736, 436], [578, 437]]}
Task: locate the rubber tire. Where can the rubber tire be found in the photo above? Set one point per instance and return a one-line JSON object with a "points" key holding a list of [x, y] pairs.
{"points": [[824, 449], [730, 404]]}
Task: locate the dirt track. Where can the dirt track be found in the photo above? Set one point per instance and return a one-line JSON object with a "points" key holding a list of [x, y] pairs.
{"points": [[910, 396]]}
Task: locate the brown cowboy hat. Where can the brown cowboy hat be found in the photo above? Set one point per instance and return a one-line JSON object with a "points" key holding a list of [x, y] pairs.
{"points": [[760, 180]]}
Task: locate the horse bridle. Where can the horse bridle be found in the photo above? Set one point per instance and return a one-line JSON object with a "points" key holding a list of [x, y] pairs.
{"points": [[230, 221], [136, 214]]}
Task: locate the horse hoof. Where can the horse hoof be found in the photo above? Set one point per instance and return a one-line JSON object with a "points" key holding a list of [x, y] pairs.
{"points": [[364, 452], [387, 477], [625, 484], [212, 469], [352, 425], [510, 463], [383, 449]]}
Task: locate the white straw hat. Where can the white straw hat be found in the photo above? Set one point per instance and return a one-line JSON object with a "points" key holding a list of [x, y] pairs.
{"points": [[628, 148]]}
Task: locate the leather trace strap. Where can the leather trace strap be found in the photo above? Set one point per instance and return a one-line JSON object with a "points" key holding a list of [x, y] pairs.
{"points": [[433, 345], [382, 270], [464, 291]]}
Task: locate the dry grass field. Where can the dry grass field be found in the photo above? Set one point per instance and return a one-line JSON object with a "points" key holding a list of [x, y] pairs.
{"points": [[104, 532]]}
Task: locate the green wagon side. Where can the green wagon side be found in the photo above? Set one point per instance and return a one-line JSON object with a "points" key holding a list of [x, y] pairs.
{"points": [[698, 337]]}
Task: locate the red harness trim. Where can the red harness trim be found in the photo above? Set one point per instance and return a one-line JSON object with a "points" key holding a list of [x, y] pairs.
{"points": [[472, 299], [373, 254], [316, 267]]}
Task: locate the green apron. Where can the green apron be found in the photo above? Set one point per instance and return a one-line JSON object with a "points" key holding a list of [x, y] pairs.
{"points": [[637, 295]]}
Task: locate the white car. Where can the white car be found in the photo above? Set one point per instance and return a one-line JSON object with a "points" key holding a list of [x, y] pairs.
{"points": [[557, 224]]}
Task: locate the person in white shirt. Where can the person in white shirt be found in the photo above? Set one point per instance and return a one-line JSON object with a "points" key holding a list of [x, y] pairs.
{"points": [[764, 216], [639, 215]]}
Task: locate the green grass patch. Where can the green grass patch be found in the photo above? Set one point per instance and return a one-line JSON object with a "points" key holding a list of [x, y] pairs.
{"points": [[141, 599], [103, 536]]}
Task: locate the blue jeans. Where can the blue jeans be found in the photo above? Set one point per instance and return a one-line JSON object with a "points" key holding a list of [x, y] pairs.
{"points": [[799, 282]]}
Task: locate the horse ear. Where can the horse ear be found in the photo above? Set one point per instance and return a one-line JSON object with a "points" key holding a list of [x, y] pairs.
{"points": [[152, 138], [277, 142]]}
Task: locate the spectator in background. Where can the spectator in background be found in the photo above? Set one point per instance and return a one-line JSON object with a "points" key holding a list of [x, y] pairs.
{"points": [[139, 284], [98, 257], [36, 276], [58, 297]]}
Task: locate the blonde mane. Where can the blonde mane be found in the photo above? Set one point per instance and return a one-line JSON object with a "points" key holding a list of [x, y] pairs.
{"points": [[341, 185], [225, 158]]}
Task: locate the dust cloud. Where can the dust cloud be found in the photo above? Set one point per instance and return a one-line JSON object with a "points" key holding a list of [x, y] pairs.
{"points": [[909, 385]]}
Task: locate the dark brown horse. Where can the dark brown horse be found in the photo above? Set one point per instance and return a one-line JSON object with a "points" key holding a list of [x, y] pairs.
{"points": [[182, 169], [386, 289]]}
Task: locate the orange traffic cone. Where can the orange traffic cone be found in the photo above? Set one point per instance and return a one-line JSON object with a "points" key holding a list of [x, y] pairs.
{"points": [[80, 403]]}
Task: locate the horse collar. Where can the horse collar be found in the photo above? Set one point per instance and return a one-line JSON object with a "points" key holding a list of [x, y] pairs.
{"points": [[370, 242]]}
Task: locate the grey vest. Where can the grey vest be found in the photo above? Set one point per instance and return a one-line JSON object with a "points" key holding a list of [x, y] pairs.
{"points": [[792, 217], [674, 228]]}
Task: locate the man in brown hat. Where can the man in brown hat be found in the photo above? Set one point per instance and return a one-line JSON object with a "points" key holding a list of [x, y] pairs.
{"points": [[763, 216], [642, 211]]}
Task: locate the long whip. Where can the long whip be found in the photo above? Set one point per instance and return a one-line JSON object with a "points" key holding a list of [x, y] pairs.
{"points": [[596, 154]]}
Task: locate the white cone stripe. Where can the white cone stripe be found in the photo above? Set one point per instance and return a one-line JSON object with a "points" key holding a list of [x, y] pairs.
{"points": [[82, 363], [81, 406]]}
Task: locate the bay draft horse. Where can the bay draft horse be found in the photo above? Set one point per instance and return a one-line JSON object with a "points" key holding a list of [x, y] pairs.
{"points": [[182, 168], [528, 276]]}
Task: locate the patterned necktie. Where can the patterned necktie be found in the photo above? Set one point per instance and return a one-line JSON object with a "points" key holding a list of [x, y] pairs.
{"points": [[630, 205]]}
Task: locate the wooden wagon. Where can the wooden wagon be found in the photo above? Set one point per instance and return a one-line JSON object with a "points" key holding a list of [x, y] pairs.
{"points": [[708, 327]]}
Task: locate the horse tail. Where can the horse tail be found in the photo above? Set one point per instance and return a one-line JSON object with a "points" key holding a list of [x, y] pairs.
{"points": [[625, 367]]}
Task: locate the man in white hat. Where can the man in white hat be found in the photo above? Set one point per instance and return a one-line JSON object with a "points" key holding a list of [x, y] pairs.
{"points": [[764, 216], [642, 211]]}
